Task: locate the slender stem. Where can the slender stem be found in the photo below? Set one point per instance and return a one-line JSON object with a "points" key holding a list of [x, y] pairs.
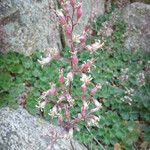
{"points": [[95, 139], [71, 45], [70, 87]]}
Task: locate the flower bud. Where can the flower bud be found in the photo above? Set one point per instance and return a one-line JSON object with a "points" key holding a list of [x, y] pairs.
{"points": [[94, 110], [52, 91], [61, 79], [73, 49], [54, 112], [83, 113], [68, 31], [66, 7], [86, 28], [85, 104], [61, 17], [89, 48], [68, 96], [74, 59], [61, 98], [70, 133], [93, 91], [82, 38], [69, 99], [73, 2], [41, 105], [83, 87], [79, 11], [78, 119], [62, 20], [96, 103], [93, 120], [85, 67], [67, 112], [60, 120], [70, 76]]}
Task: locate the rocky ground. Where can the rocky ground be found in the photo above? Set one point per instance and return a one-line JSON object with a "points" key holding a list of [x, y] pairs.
{"points": [[22, 131]]}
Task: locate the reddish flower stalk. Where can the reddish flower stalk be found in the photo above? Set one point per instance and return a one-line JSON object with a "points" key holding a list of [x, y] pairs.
{"points": [[65, 103]]}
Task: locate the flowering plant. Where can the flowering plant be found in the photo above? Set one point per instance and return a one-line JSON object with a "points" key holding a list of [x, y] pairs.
{"points": [[62, 96]]}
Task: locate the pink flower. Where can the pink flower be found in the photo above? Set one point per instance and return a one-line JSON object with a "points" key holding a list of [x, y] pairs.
{"points": [[83, 113], [85, 67], [60, 119], [61, 77], [41, 105], [68, 96], [78, 119], [79, 11], [83, 38], [86, 79], [52, 91], [68, 31], [73, 2], [74, 59], [94, 110], [69, 99], [96, 103], [69, 78], [85, 104], [61, 17], [66, 7], [93, 120], [95, 46], [45, 60], [93, 91], [86, 29], [61, 98], [83, 87], [67, 112], [62, 1], [54, 112], [62, 20], [73, 49]]}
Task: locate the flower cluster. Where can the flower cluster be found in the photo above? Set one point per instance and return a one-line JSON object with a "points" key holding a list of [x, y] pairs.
{"points": [[128, 96], [141, 79], [124, 74], [62, 97]]}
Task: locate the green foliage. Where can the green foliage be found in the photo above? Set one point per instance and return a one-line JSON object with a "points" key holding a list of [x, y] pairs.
{"points": [[120, 120]]}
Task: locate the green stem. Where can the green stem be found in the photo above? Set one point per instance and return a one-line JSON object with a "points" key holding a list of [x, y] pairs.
{"points": [[95, 139]]}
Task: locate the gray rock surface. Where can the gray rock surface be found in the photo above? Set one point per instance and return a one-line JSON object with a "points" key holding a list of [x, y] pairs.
{"points": [[27, 26], [141, 1], [99, 8], [21, 131], [137, 17]]}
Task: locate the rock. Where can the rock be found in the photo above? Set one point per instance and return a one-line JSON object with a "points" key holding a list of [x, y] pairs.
{"points": [[97, 6], [21, 131], [27, 26], [137, 17], [107, 29], [141, 1]]}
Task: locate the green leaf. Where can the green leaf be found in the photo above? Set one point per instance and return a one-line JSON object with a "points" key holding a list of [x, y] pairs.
{"points": [[36, 73], [15, 68], [5, 80], [27, 63]]}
